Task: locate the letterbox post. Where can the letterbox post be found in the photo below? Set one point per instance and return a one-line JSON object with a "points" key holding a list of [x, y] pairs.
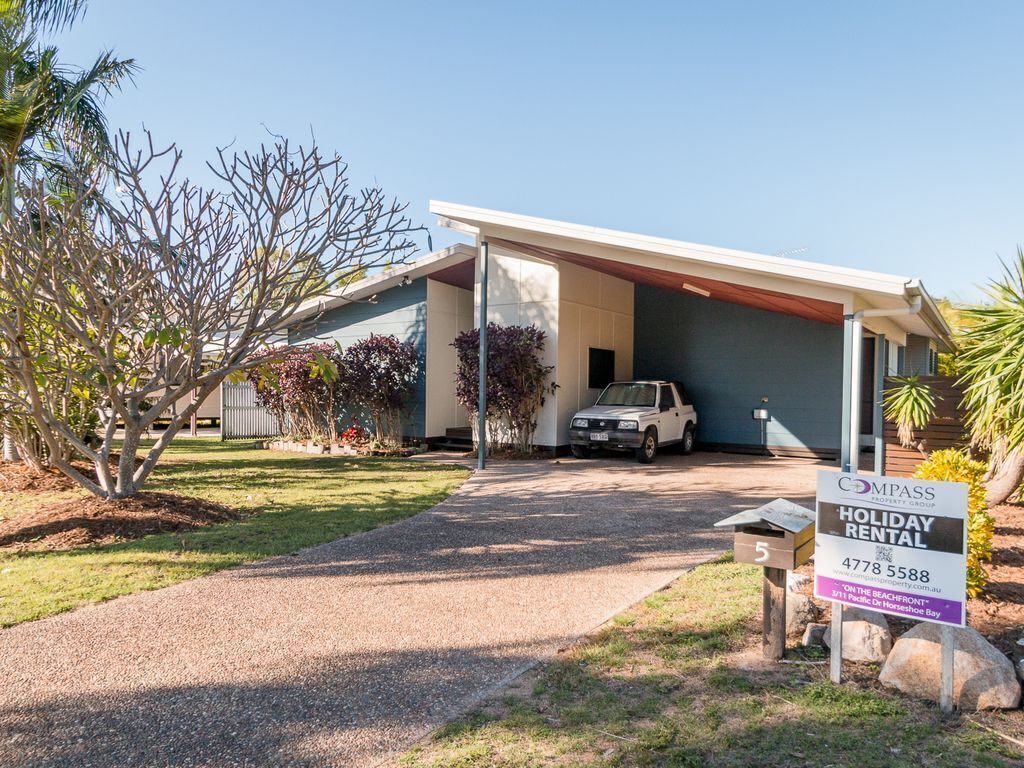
{"points": [[778, 536], [773, 613]]}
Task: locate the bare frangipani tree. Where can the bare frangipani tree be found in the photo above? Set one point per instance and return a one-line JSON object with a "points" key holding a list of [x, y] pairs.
{"points": [[164, 288]]}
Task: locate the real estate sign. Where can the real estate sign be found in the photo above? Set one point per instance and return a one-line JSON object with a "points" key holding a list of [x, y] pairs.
{"points": [[893, 545]]}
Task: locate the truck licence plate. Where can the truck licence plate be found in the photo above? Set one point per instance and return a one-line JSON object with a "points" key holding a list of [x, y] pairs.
{"points": [[599, 437]]}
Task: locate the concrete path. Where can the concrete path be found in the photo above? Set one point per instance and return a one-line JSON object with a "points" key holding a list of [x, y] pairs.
{"points": [[344, 653]]}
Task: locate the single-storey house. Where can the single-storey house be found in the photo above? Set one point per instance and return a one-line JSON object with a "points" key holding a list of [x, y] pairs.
{"points": [[743, 331]]}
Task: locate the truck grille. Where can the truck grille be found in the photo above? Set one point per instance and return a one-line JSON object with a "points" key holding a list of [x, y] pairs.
{"points": [[602, 423]]}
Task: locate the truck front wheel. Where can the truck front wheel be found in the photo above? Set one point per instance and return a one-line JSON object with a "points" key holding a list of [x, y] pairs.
{"points": [[649, 447], [581, 451]]}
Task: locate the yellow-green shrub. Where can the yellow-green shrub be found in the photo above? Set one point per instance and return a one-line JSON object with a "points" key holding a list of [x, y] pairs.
{"points": [[957, 467]]}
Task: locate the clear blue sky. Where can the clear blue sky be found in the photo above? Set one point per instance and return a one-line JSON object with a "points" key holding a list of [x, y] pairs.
{"points": [[884, 136]]}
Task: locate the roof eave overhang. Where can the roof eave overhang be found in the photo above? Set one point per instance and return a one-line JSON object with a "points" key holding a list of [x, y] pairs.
{"points": [[374, 284], [875, 287]]}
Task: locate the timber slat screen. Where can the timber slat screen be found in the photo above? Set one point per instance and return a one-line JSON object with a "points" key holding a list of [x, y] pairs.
{"points": [[946, 429], [241, 417]]}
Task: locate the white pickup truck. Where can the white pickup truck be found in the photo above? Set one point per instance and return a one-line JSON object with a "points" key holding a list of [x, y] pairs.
{"points": [[638, 416]]}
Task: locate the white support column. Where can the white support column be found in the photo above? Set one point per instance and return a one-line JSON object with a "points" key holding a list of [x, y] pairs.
{"points": [[877, 420], [844, 440], [856, 370], [481, 460]]}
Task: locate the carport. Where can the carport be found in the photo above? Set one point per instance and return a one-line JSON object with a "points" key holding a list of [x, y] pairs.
{"points": [[808, 343]]}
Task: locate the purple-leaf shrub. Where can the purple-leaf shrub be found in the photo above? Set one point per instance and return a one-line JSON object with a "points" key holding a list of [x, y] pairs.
{"points": [[517, 380], [380, 374], [302, 387]]}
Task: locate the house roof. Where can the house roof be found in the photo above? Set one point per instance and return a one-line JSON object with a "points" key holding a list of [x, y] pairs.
{"points": [[448, 265], [822, 292]]}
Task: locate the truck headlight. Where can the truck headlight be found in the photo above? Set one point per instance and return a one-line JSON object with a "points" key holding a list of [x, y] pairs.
{"points": [[581, 423], [627, 425]]}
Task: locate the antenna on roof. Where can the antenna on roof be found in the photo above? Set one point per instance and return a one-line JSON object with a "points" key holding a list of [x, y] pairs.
{"points": [[791, 252]]}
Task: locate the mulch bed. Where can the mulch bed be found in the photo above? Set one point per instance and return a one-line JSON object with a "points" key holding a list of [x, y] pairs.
{"points": [[79, 522], [999, 614], [16, 477]]}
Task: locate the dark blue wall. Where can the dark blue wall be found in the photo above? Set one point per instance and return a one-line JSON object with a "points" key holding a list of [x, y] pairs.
{"points": [[399, 311], [730, 356]]}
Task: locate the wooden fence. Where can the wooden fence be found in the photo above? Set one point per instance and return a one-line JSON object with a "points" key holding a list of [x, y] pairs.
{"points": [[241, 417], [946, 429]]}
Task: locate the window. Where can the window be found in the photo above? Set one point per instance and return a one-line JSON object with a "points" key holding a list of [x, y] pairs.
{"points": [[601, 370], [629, 394], [668, 400]]}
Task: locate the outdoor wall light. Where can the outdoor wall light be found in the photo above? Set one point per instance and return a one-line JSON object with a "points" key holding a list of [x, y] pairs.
{"points": [[406, 280], [696, 289]]}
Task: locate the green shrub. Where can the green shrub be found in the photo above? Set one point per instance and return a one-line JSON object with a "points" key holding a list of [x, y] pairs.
{"points": [[957, 467]]}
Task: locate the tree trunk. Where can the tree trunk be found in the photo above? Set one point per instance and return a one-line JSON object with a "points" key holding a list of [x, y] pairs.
{"points": [[1005, 477], [10, 451]]}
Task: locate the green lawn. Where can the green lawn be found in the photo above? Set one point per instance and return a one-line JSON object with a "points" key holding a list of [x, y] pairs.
{"points": [[300, 501], [677, 682]]}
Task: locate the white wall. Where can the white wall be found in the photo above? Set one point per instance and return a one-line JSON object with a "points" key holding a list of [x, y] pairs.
{"points": [[449, 313], [524, 291], [577, 308], [594, 310]]}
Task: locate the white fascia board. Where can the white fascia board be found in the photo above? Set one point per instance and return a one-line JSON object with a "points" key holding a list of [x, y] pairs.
{"points": [[368, 286], [844, 277]]}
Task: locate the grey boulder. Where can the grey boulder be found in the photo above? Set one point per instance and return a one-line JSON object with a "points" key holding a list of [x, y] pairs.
{"points": [[983, 678], [866, 636], [814, 635], [800, 611]]}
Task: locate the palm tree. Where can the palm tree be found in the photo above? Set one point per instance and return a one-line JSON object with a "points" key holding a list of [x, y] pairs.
{"points": [[50, 116], [991, 364]]}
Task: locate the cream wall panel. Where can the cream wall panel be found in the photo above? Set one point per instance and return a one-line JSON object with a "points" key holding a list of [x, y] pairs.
{"points": [[595, 310], [449, 311]]}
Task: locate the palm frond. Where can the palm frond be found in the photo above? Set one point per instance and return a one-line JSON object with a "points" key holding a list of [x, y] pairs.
{"points": [[992, 360], [47, 15], [911, 405]]}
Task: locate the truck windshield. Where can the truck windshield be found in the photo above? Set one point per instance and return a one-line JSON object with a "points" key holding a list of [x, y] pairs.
{"points": [[629, 394]]}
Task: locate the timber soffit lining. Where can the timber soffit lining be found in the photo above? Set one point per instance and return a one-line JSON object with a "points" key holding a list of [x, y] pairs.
{"points": [[759, 298]]}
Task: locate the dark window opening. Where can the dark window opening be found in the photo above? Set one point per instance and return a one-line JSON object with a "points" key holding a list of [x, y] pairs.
{"points": [[667, 398], [601, 370]]}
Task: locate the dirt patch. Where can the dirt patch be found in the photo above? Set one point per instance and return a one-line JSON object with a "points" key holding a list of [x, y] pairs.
{"points": [[79, 522]]}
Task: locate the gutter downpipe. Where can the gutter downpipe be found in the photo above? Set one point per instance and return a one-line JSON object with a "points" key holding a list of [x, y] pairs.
{"points": [[851, 462]]}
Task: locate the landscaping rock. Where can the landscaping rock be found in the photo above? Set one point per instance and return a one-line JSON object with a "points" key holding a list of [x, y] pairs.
{"points": [[983, 678], [866, 636], [814, 635], [800, 611], [795, 582]]}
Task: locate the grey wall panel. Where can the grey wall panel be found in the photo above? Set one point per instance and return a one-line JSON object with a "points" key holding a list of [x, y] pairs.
{"points": [[400, 312], [730, 356], [919, 355]]}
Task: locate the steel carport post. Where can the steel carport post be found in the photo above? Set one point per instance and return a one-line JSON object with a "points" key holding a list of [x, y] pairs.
{"points": [[481, 459]]}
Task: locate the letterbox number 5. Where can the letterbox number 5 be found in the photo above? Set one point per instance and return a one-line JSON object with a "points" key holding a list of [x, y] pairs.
{"points": [[761, 548]]}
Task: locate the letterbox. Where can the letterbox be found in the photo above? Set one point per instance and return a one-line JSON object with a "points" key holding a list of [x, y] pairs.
{"points": [[779, 534]]}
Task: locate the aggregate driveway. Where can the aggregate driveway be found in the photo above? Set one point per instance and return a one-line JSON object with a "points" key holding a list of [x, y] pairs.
{"points": [[344, 653]]}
